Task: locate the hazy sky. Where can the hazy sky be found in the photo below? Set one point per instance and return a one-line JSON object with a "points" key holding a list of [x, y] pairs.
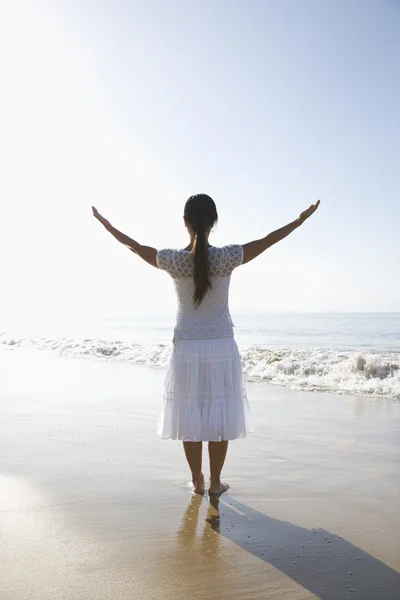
{"points": [[133, 106]]}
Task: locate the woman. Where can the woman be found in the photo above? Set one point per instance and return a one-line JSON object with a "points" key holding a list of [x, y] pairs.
{"points": [[204, 398]]}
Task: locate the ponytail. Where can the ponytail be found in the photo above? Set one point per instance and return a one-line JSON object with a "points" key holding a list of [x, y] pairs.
{"points": [[201, 273], [200, 215]]}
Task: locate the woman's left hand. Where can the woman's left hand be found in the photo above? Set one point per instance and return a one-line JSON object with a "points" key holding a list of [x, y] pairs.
{"points": [[100, 218]]}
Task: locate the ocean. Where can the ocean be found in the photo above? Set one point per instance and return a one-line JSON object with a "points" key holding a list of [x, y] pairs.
{"points": [[339, 353]]}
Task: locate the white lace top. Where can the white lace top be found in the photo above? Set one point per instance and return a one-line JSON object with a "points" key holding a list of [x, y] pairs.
{"points": [[211, 319]]}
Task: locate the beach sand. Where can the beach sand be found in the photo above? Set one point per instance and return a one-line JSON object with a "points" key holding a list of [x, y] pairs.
{"points": [[94, 505]]}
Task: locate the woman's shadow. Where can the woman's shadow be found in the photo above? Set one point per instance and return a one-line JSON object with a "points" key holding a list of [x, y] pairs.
{"points": [[323, 563]]}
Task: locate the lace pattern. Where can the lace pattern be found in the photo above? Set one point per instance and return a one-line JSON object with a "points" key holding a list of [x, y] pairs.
{"points": [[179, 263], [211, 320]]}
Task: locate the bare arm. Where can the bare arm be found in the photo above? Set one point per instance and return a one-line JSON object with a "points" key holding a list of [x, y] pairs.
{"points": [[254, 249], [146, 252]]}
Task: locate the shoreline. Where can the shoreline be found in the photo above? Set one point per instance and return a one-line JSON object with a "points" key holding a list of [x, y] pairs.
{"points": [[94, 504], [358, 373]]}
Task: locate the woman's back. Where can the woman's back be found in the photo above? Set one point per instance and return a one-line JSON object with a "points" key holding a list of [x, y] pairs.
{"points": [[211, 319], [204, 396]]}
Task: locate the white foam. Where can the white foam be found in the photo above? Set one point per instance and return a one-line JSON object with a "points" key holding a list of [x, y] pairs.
{"points": [[151, 354], [352, 372]]}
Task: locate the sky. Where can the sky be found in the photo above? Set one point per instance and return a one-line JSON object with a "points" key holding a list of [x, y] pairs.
{"points": [[132, 106]]}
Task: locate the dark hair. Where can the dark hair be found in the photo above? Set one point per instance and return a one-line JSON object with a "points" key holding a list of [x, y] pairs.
{"points": [[200, 214]]}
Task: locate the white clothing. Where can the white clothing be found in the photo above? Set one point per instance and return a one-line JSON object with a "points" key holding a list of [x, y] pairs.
{"points": [[204, 396], [210, 320]]}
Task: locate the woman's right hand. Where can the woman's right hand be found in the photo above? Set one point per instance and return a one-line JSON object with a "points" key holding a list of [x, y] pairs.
{"points": [[309, 211]]}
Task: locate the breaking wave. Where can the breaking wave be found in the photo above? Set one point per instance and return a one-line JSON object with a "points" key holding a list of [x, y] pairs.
{"points": [[328, 370]]}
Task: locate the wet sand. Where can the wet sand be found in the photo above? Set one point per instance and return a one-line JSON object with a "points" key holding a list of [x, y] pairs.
{"points": [[94, 505]]}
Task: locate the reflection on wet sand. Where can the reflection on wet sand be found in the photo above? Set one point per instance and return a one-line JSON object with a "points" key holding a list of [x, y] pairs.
{"points": [[191, 540]]}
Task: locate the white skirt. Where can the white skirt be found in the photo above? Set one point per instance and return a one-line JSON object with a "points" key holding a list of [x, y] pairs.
{"points": [[205, 397]]}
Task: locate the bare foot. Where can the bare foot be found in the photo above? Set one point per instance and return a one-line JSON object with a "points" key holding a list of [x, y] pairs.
{"points": [[198, 486], [217, 490]]}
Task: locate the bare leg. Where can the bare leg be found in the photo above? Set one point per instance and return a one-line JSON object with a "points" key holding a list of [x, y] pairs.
{"points": [[193, 452], [217, 452]]}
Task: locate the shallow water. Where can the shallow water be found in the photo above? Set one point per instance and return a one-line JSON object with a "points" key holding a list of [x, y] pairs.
{"points": [[93, 504], [346, 353]]}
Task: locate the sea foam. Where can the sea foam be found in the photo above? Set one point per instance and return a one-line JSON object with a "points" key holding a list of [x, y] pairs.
{"points": [[327, 370]]}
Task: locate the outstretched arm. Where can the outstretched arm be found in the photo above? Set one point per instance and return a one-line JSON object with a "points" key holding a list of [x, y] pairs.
{"points": [[253, 249], [146, 252]]}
